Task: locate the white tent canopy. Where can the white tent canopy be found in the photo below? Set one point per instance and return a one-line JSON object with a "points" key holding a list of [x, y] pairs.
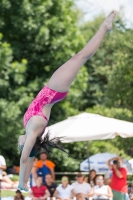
{"points": [[98, 162], [87, 126]]}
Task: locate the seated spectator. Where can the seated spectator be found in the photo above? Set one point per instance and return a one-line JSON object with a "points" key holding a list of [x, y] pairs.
{"points": [[18, 195], [6, 182], [50, 184], [64, 190], [39, 191], [101, 191], [90, 178], [44, 166], [81, 188]]}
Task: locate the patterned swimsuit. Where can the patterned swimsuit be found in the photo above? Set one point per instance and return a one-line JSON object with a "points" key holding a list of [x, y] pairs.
{"points": [[44, 97]]}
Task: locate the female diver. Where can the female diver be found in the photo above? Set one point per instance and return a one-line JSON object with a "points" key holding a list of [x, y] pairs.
{"points": [[37, 116]]}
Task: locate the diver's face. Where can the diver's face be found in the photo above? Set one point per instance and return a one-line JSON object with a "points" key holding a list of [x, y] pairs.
{"points": [[21, 141]]}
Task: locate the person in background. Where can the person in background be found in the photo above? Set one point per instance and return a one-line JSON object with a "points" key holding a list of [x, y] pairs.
{"points": [[90, 178], [131, 192], [43, 166], [18, 195], [50, 184], [119, 177], [6, 182], [81, 188], [13, 170], [64, 190], [2, 166], [107, 178], [39, 192], [101, 191]]}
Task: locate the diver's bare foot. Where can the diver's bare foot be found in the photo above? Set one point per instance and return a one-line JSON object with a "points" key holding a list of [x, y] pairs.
{"points": [[107, 24], [24, 187]]}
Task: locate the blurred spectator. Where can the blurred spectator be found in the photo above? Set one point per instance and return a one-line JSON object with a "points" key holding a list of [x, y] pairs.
{"points": [[81, 188], [39, 192], [2, 165], [107, 179], [90, 178], [13, 170], [33, 170], [6, 182], [18, 195], [50, 184], [44, 166], [101, 191], [119, 176], [64, 190], [131, 192]]}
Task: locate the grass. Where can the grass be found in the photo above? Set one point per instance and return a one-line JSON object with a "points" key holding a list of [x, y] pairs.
{"points": [[15, 178], [9, 193]]}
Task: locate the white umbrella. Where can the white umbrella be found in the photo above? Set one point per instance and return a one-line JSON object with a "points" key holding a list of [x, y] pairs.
{"points": [[98, 162], [87, 126]]}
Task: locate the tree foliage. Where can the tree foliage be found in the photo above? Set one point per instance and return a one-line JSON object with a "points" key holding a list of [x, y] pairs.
{"points": [[110, 77], [38, 37], [12, 76]]}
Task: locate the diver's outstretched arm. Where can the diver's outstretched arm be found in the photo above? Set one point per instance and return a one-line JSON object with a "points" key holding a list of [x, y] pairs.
{"points": [[30, 162], [29, 143], [33, 131]]}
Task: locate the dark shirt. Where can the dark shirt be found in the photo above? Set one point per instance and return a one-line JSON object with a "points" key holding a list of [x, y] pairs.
{"points": [[43, 171], [51, 188]]}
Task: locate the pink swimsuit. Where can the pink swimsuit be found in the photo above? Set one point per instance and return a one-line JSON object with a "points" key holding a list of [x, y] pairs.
{"points": [[44, 97]]}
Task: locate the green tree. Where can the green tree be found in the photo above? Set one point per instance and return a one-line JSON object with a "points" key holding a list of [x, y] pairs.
{"points": [[102, 64], [46, 34], [109, 89], [12, 75], [120, 80]]}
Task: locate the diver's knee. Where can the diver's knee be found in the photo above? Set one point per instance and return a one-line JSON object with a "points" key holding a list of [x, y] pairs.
{"points": [[24, 159]]}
